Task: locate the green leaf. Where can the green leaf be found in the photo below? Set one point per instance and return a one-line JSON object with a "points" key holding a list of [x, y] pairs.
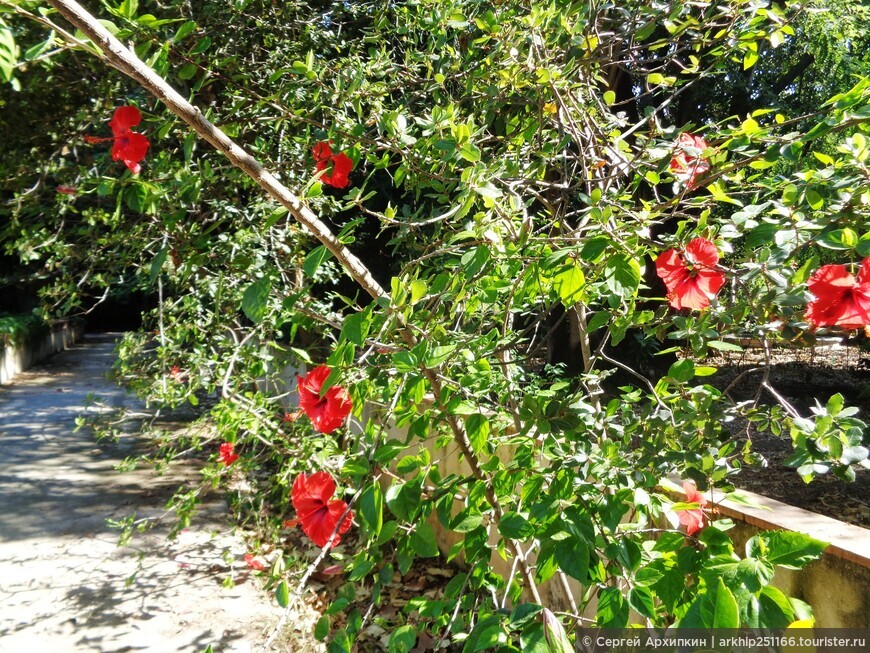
{"points": [[255, 299], [749, 59], [437, 355], [754, 573], [622, 275], [714, 608], [598, 320], [787, 549], [474, 260], [187, 71], [725, 612], [466, 521], [402, 639], [356, 327], [186, 28], [424, 542], [721, 345], [321, 630], [572, 556], [774, 609], [405, 362], [533, 640], [515, 527], [612, 609], [371, 507], [568, 283], [594, 248], [8, 53], [157, 264], [490, 637], [487, 633], [640, 599], [403, 499], [418, 290], [815, 200], [314, 259], [469, 152], [682, 371], [477, 428], [524, 613], [839, 239], [282, 594], [40, 48]]}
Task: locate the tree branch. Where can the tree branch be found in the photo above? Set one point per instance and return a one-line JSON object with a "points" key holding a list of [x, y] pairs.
{"points": [[120, 57]]}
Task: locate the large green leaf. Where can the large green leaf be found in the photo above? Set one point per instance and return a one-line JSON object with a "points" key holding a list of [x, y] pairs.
{"points": [[622, 275], [255, 299], [569, 282], [477, 428], [785, 548], [714, 608], [612, 609]]}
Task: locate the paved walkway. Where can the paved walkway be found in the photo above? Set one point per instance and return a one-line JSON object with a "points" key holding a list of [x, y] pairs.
{"points": [[65, 585]]}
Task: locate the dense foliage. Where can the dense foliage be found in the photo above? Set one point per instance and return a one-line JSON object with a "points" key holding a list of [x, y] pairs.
{"points": [[512, 173]]}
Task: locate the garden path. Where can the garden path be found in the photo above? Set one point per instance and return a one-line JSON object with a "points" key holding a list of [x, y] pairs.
{"points": [[65, 585]]}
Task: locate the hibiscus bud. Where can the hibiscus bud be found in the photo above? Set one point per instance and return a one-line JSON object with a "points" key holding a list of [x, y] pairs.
{"points": [[555, 635]]}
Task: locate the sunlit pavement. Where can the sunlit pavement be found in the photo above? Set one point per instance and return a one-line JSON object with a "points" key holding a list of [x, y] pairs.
{"points": [[65, 585]]}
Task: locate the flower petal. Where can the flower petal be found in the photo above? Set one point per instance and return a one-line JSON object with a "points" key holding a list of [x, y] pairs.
{"points": [[322, 153], [124, 118], [703, 252]]}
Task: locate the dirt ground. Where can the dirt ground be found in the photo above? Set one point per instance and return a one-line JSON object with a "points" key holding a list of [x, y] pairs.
{"points": [[65, 584], [802, 376]]}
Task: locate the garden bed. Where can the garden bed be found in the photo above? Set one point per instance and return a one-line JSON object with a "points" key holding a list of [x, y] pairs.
{"points": [[802, 376]]}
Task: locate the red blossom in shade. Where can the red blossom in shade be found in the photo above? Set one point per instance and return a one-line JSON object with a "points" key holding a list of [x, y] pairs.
{"points": [[341, 165], [227, 454], [693, 281], [328, 412], [129, 146], [253, 563], [692, 519], [840, 299], [687, 164], [317, 511], [67, 190]]}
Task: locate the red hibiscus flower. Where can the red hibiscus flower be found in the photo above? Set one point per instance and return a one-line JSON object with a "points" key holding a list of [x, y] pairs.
{"points": [[227, 454], [253, 563], [67, 190], [841, 300], [317, 511], [687, 164], [693, 281], [341, 165], [692, 519], [328, 412], [129, 146]]}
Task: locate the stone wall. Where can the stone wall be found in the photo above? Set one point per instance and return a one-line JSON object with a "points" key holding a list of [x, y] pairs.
{"points": [[15, 358]]}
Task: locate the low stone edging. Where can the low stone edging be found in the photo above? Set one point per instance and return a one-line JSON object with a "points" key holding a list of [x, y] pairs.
{"points": [[15, 358]]}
